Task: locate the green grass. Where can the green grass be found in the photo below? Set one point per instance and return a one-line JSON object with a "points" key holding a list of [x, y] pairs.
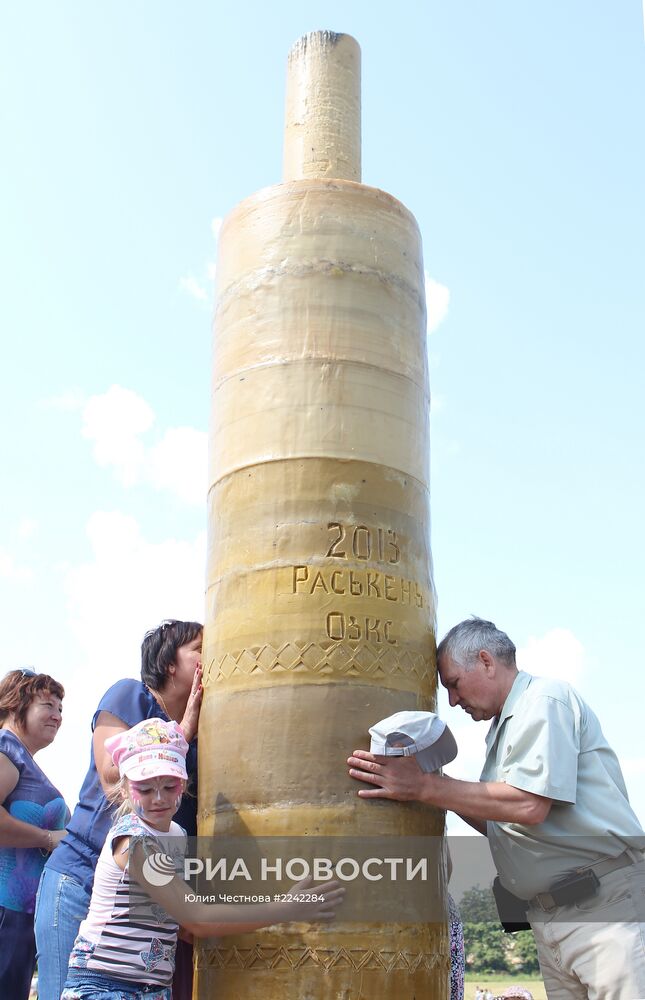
{"points": [[532, 983]]}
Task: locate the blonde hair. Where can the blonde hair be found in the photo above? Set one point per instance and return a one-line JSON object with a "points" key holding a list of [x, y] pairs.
{"points": [[119, 799]]}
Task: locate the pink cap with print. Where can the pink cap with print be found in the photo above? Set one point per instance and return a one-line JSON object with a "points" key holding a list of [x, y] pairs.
{"points": [[151, 749]]}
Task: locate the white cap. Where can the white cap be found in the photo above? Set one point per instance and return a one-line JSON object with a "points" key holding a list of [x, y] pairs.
{"points": [[420, 733]]}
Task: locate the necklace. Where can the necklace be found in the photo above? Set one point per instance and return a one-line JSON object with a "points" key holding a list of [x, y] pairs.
{"points": [[158, 697]]}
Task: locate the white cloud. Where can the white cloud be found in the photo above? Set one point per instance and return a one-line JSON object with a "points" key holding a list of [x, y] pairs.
{"points": [[10, 569], [116, 421], [192, 287], [437, 302], [211, 267], [190, 284], [179, 463], [128, 585], [72, 399], [27, 527], [557, 654], [470, 738], [467, 765], [633, 767]]}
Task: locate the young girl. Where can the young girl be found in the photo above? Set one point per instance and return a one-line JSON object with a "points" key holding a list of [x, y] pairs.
{"points": [[126, 945]]}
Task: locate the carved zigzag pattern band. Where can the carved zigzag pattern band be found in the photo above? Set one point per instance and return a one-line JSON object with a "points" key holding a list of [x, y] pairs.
{"points": [[329, 659], [290, 959]]}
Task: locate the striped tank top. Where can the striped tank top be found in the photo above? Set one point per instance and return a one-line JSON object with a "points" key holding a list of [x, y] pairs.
{"points": [[126, 935]]}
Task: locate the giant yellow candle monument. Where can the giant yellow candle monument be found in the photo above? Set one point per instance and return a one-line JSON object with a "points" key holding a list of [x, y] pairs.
{"points": [[320, 601]]}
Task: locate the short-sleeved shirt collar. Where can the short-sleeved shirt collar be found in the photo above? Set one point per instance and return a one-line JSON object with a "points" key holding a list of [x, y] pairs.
{"points": [[520, 685]]}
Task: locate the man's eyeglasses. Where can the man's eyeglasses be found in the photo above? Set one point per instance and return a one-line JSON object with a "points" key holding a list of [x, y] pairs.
{"points": [[27, 672]]}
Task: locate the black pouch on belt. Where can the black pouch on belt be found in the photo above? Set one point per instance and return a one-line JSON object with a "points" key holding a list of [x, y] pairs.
{"points": [[511, 909], [575, 887]]}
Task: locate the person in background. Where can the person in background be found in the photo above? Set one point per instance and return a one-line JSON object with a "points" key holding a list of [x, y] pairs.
{"points": [[32, 817], [457, 956], [170, 688]]}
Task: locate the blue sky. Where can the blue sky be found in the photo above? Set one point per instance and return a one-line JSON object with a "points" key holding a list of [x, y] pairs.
{"points": [[514, 133]]}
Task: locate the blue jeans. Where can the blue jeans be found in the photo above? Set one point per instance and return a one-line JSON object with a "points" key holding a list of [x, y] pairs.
{"points": [[83, 985], [17, 953], [61, 904]]}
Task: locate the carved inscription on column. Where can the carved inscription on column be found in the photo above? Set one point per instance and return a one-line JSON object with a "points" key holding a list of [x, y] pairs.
{"points": [[352, 609], [351, 544]]}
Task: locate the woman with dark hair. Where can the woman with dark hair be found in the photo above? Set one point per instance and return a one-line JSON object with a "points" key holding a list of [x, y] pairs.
{"points": [[32, 817], [170, 688]]}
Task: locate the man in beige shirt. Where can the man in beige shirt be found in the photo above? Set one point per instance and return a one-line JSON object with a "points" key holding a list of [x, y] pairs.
{"points": [[552, 801]]}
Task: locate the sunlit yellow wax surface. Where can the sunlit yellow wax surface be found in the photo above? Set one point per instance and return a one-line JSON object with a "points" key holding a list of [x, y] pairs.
{"points": [[320, 601]]}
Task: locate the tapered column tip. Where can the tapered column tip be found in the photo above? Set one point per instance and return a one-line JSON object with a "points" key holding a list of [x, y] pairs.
{"points": [[322, 135], [318, 40]]}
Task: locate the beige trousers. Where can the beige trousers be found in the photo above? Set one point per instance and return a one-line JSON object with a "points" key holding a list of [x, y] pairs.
{"points": [[595, 950]]}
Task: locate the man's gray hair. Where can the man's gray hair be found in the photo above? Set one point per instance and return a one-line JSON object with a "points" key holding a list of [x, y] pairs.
{"points": [[464, 641]]}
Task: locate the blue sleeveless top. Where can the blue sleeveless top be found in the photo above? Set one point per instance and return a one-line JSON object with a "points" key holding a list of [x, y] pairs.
{"points": [[76, 855], [34, 800]]}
